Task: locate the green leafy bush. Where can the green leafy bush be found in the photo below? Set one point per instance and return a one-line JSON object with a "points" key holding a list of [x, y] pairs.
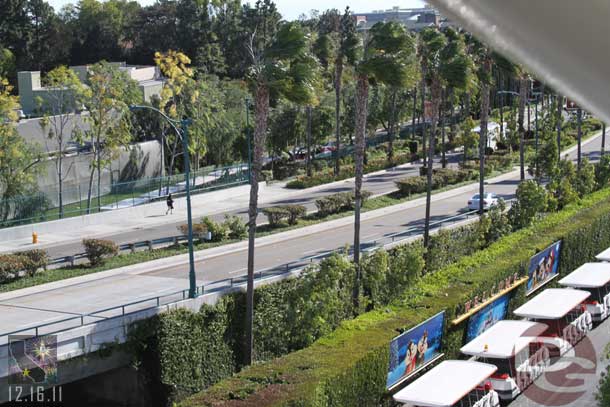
{"points": [[295, 212], [237, 228], [218, 230], [97, 249], [34, 260], [441, 177], [602, 171], [339, 202], [531, 200], [275, 215], [603, 391]]}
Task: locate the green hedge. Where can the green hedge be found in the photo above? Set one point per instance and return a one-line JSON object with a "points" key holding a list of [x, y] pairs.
{"points": [[348, 366], [347, 171], [441, 177]]}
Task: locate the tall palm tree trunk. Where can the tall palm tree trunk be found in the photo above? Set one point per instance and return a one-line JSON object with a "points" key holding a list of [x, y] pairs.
{"points": [[392, 127], [603, 138], [362, 94], [442, 124], [423, 115], [483, 137], [414, 112], [579, 137], [338, 79], [435, 94], [559, 109], [260, 130], [522, 98], [308, 136]]}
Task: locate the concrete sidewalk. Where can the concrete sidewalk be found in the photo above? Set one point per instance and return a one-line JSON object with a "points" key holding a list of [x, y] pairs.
{"points": [[75, 229]]}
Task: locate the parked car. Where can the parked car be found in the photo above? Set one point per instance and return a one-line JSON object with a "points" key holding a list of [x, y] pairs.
{"points": [[489, 200]]}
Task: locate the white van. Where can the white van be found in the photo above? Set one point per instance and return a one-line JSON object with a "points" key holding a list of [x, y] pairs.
{"points": [[493, 134]]}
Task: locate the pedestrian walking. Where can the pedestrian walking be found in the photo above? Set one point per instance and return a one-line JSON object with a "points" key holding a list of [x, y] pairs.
{"points": [[170, 204]]}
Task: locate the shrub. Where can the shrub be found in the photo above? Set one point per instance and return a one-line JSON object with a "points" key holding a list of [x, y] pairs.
{"points": [[237, 228], [602, 171], [98, 249], [34, 260], [10, 266], [218, 230], [275, 215], [339, 202], [295, 212], [199, 230], [412, 185], [441, 177], [531, 200]]}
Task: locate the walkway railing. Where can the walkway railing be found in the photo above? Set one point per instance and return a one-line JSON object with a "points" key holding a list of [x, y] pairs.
{"points": [[224, 284]]}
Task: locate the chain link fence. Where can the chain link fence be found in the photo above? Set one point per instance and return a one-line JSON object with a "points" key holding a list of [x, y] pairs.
{"points": [[41, 206]]}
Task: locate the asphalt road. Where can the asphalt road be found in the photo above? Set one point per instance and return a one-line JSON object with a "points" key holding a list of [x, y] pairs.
{"points": [[376, 184], [46, 304]]}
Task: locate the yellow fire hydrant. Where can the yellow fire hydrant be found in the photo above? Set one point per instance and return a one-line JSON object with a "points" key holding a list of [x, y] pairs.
{"points": [[34, 237]]}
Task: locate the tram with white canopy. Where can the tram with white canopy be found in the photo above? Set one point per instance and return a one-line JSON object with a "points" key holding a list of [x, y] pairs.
{"points": [[594, 278], [565, 313], [514, 348], [452, 383]]}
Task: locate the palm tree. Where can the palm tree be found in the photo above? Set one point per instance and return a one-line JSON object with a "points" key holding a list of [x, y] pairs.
{"points": [[444, 64], [338, 36], [484, 60], [523, 95], [282, 65], [387, 57]]}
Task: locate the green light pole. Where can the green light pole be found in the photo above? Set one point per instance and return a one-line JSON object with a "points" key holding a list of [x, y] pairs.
{"points": [[182, 133]]}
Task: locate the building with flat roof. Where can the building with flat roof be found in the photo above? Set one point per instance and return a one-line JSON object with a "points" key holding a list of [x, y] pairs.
{"points": [[30, 87], [415, 19]]}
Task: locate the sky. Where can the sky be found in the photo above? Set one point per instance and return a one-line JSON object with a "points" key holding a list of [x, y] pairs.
{"points": [[292, 9]]}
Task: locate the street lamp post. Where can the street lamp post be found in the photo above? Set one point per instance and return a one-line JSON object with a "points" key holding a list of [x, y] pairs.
{"points": [[183, 134]]}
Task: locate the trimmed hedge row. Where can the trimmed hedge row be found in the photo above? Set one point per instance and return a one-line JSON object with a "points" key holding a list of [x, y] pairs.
{"points": [[29, 261], [441, 177], [347, 171], [348, 366], [339, 202]]}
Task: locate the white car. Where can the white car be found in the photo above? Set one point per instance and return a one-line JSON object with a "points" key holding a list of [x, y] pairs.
{"points": [[489, 200]]}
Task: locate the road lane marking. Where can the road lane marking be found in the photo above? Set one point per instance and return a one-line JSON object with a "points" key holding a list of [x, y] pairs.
{"points": [[237, 271]]}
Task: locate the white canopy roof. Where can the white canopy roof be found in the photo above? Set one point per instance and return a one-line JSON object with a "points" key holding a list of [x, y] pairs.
{"points": [[446, 384], [604, 256], [504, 339], [589, 275], [552, 303]]}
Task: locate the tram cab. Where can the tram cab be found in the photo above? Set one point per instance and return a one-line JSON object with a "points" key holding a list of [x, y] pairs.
{"points": [[452, 383], [564, 311], [514, 347], [594, 278]]}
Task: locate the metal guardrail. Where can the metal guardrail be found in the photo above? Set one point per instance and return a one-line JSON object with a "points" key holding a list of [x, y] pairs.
{"points": [[224, 284], [130, 247]]}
